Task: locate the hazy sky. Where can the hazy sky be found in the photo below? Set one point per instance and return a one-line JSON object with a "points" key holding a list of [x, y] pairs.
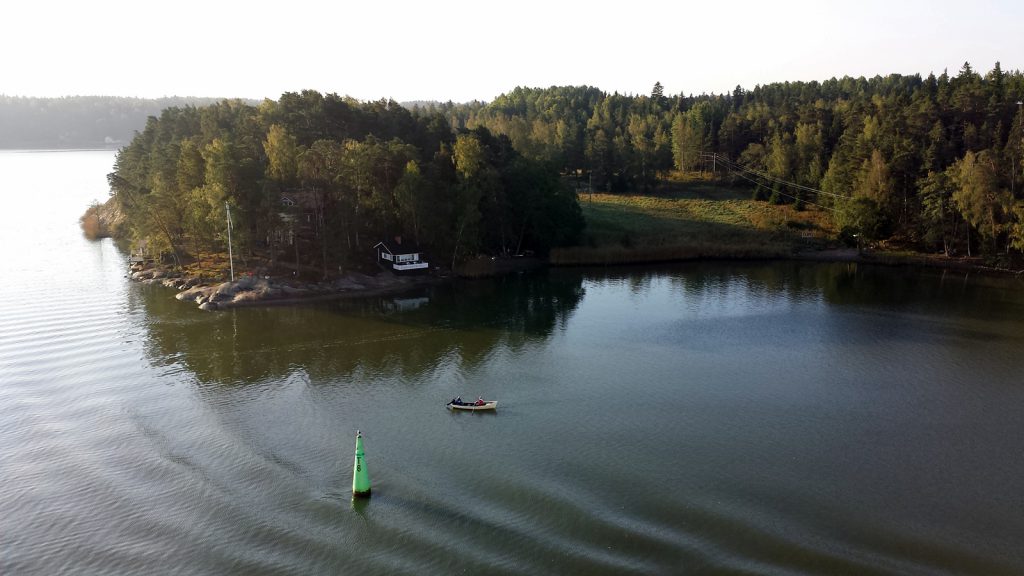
{"points": [[465, 50]]}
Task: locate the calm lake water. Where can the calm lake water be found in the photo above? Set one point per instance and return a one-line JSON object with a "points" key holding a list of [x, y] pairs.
{"points": [[704, 418]]}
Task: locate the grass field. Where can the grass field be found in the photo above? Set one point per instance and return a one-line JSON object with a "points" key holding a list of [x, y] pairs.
{"points": [[690, 218]]}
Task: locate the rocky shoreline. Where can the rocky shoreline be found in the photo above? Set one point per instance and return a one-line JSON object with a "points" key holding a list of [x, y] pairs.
{"points": [[252, 290], [266, 290]]}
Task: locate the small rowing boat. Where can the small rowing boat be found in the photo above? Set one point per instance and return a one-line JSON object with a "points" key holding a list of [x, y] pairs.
{"points": [[472, 406]]}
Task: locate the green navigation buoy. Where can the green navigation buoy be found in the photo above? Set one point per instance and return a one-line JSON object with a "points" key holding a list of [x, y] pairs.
{"points": [[360, 476]]}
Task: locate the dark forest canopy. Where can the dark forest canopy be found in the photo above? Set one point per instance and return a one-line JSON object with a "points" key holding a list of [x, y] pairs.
{"points": [[79, 121], [935, 162], [317, 180]]}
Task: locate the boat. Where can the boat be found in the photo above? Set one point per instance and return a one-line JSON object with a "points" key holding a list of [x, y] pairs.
{"points": [[472, 406]]}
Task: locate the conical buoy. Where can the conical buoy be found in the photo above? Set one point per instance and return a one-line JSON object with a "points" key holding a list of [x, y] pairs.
{"points": [[360, 476]]}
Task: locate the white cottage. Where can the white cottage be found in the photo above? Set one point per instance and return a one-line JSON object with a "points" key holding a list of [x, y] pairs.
{"points": [[400, 257]]}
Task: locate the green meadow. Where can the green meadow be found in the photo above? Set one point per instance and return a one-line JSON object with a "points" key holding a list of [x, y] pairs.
{"points": [[687, 219]]}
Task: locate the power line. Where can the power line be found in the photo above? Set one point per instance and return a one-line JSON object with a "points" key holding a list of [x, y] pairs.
{"points": [[729, 163], [774, 178], [781, 193], [738, 170]]}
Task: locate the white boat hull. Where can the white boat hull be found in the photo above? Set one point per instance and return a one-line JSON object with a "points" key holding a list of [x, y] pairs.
{"points": [[488, 405]]}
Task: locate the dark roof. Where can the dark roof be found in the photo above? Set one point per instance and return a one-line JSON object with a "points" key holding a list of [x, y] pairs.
{"points": [[406, 247], [304, 199]]}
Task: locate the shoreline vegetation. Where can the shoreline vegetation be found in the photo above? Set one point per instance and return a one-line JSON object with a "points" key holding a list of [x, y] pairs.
{"points": [[687, 219], [897, 169], [211, 293]]}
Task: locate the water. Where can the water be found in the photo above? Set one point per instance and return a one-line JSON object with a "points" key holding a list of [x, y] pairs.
{"points": [[774, 418]]}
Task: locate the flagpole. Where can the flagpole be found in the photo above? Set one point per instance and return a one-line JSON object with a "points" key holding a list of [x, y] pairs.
{"points": [[231, 257]]}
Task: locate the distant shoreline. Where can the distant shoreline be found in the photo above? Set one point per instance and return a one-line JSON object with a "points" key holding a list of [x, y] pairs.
{"points": [[111, 148]]}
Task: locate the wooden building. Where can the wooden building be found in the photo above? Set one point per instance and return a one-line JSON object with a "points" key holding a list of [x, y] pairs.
{"points": [[399, 256]]}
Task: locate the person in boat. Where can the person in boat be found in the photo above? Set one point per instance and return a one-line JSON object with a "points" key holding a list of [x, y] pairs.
{"points": [[479, 401], [457, 401]]}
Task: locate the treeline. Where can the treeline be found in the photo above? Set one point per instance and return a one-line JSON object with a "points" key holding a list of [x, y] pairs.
{"points": [[933, 162], [318, 179], [78, 121]]}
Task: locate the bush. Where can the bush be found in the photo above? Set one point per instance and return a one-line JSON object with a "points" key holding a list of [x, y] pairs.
{"points": [[92, 227]]}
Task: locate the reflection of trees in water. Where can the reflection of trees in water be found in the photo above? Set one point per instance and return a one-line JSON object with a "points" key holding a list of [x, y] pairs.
{"points": [[835, 283], [455, 327], [952, 292], [407, 336], [790, 281], [720, 286], [533, 305]]}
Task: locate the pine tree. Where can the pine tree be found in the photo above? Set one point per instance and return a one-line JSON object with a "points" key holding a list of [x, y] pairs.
{"points": [[658, 92]]}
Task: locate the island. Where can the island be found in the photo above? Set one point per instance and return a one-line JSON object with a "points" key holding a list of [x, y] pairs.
{"points": [[895, 169]]}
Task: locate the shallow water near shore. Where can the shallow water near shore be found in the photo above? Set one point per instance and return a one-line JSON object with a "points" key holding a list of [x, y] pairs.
{"points": [[761, 418]]}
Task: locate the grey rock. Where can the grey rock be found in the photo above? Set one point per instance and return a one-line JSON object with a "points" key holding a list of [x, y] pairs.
{"points": [[192, 294], [290, 291], [224, 291], [220, 297]]}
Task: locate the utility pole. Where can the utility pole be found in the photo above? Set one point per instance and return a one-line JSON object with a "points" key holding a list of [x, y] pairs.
{"points": [[1020, 146], [231, 257]]}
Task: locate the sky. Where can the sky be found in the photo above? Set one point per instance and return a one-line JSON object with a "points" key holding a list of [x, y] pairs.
{"points": [[475, 50]]}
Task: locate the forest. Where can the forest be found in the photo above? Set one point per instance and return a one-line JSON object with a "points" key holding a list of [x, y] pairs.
{"points": [[929, 163], [314, 181], [932, 164]]}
